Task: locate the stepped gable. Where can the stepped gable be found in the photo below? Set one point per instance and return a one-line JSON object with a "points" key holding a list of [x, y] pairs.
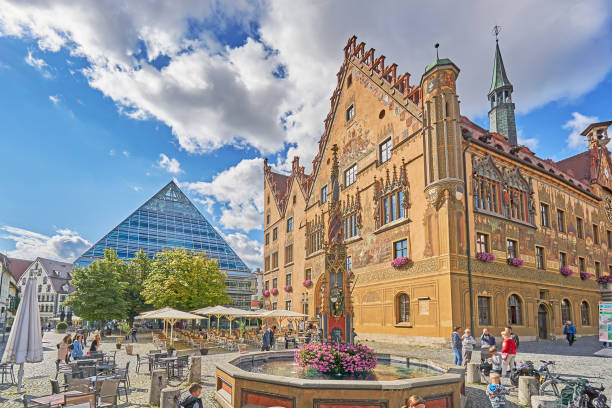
{"points": [[559, 170], [398, 87], [281, 184], [579, 165]]}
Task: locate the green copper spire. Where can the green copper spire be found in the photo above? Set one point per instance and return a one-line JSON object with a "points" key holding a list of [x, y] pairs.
{"points": [[501, 115], [500, 79]]}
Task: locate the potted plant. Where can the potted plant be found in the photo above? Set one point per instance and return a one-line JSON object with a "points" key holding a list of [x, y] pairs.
{"points": [[400, 261], [170, 349], [61, 327], [307, 283], [118, 344], [288, 288], [566, 271], [515, 262], [274, 291], [485, 257], [266, 293], [203, 350], [585, 275], [604, 280]]}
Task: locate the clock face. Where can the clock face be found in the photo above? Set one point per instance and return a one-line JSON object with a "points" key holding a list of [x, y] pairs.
{"points": [[608, 208]]}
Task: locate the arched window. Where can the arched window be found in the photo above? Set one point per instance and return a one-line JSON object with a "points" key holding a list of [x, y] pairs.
{"points": [[403, 308], [566, 310], [585, 313], [515, 310]]}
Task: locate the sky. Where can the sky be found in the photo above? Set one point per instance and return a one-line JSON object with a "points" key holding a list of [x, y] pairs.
{"points": [[104, 102]]}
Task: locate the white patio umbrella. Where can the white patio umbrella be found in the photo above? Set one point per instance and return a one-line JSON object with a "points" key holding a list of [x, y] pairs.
{"points": [[171, 316], [230, 312], [25, 340], [281, 315]]}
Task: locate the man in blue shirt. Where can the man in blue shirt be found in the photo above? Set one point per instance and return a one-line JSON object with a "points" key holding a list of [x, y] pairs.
{"points": [[570, 332], [457, 345]]}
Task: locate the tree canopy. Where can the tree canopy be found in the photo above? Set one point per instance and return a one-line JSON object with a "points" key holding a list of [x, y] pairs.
{"points": [[184, 280], [100, 293], [134, 276]]}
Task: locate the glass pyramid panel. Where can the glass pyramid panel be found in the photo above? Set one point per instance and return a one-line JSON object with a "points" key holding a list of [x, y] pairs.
{"points": [[167, 220]]}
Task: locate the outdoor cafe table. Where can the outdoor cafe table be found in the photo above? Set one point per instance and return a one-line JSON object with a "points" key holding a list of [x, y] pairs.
{"points": [[169, 361], [55, 400]]}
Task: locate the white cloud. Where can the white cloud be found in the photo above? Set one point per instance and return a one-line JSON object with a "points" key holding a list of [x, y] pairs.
{"points": [[37, 63], [249, 250], [171, 165], [126, 154], [579, 122], [112, 152], [55, 99], [530, 142], [137, 188], [211, 95], [239, 191], [65, 245]]}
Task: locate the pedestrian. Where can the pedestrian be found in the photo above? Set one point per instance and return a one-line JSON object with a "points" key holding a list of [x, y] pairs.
{"points": [[495, 360], [457, 346], [486, 341], [63, 350], [133, 334], [267, 339], [94, 346], [467, 343], [508, 353], [513, 336], [77, 347], [570, 332], [415, 402], [194, 399], [496, 392]]}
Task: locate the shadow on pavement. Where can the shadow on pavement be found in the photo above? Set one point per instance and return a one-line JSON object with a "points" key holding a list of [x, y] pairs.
{"points": [[584, 346]]}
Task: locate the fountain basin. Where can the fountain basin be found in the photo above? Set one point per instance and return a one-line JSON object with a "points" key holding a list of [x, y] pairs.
{"points": [[237, 387]]}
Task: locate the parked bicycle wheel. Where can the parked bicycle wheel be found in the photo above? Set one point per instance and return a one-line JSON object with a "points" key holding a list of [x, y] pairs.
{"points": [[551, 387]]}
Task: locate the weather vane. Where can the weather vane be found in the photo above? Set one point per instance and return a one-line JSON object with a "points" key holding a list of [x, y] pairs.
{"points": [[436, 46], [496, 30]]}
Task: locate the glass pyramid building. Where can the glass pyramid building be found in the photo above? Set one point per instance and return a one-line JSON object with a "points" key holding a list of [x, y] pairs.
{"points": [[170, 220]]}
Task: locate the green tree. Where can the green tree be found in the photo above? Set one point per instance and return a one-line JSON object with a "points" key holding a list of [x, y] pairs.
{"points": [[185, 281], [99, 294], [133, 278]]}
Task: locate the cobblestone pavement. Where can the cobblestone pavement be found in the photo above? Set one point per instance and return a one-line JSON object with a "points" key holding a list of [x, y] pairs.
{"points": [[571, 362], [577, 360]]}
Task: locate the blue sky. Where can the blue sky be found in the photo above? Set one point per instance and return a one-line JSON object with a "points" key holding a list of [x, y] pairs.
{"points": [[98, 113]]}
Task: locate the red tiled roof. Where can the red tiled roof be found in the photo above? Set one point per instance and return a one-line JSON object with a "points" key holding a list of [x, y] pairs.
{"points": [[18, 267], [578, 165]]}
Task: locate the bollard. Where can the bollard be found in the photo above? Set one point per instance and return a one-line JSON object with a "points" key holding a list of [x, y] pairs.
{"points": [[195, 371], [527, 387], [159, 381], [169, 397], [129, 348], [473, 373], [544, 401]]}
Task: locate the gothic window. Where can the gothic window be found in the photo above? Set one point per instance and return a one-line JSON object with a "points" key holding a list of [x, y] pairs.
{"points": [[385, 151], [391, 197], [585, 313], [487, 182], [314, 235], [566, 310], [350, 175], [515, 312], [351, 213], [403, 308], [482, 243], [484, 310]]}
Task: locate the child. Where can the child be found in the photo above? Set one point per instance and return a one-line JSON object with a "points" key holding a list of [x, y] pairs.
{"points": [[495, 360], [496, 392], [193, 400]]}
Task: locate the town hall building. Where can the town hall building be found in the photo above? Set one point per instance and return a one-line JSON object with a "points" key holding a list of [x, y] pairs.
{"points": [[445, 223]]}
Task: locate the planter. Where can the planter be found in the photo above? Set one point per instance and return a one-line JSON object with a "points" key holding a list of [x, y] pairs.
{"points": [[485, 257], [566, 271], [203, 351], [118, 345], [274, 291], [307, 283], [515, 261], [266, 293], [129, 348], [401, 261], [288, 288]]}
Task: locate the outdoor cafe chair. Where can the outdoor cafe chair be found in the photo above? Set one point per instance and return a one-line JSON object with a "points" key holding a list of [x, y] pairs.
{"points": [[141, 361], [79, 384], [56, 388], [109, 393], [86, 400], [124, 379], [181, 363], [89, 371], [6, 372], [62, 368]]}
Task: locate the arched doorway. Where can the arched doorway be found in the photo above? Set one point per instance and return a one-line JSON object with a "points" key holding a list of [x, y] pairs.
{"points": [[542, 322]]}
